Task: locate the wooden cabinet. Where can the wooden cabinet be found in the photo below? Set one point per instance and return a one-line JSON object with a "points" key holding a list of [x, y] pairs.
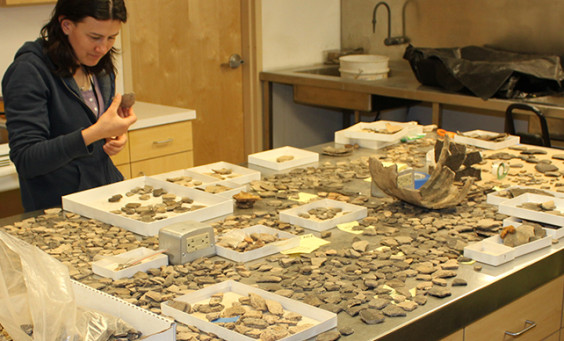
{"points": [[543, 307], [456, 336], [25, 2], [156, 150]]}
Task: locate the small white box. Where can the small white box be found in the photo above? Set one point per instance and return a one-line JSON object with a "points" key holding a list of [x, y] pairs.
{"points": [[510, 207], [154, 327], [354, 134], [495, 198], [289, 241], [197, 178], [349, 213], [268, 158], [107, 266], [239, 174], [489, 253], [525, 248], [510, 140], [322, 320], [234, 188], [555, 232], [93, 203]]}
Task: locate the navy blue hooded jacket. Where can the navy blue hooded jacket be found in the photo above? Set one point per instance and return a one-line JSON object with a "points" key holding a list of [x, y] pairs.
{"points": [[45, 116]]}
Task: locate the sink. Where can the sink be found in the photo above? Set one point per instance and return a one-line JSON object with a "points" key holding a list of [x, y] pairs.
{"points": [[323, 71]]}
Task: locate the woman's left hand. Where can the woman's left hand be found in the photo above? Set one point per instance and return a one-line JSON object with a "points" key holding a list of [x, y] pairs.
{"points": [[115, 145]]}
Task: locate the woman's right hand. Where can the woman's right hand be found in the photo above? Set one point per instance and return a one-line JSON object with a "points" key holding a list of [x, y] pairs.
{"points": [[111, 123]]}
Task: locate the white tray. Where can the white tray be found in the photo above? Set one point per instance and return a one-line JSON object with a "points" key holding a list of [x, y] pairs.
{"points": [[525, 248], [289, 241], [93, 203], [204, 179], [154, 327], [489, 253], [106, 267], [511, 140], [323, 320], [555, 232], [494, 198], [354, 212], [510, 208], [239, 174], [268, 158], [353, 135], [236, 188]]}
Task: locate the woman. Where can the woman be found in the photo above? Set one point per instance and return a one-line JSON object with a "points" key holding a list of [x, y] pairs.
{"points": [[63, 120]]}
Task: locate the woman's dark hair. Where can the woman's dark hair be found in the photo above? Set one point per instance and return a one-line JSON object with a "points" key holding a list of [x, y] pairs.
{"points": [[56, 43]]}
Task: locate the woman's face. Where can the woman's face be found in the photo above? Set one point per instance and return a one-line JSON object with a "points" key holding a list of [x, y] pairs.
{"points": [[91, 39]]}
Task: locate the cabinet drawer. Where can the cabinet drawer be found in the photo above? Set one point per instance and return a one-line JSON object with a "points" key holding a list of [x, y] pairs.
{"points": [[125, 170], [543, 306], [160, 140], [337, 98], [456, 336], [162, 164]]}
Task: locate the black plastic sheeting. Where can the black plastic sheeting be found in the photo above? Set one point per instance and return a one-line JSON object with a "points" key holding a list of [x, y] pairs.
{"points": [[486, 72]]}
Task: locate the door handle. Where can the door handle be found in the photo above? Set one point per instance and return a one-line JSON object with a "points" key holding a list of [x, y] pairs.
{"points": [[235, 61], [524, 330]]}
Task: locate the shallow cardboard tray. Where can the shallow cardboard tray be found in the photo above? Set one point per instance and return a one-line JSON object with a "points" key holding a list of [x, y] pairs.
{"points": [[204, 179], [354, 212], [353, 135], [323, 320], [511, 140], [154, 327], [240, 175], [510, 208], [555, 232], [494, 198], [236, 188], [489, 253], [289, 241], [93, 203], [268, 158], [106, 267], [525, 248]]}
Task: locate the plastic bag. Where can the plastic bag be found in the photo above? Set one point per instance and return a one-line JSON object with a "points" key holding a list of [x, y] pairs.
{"points": [[36, 296]]}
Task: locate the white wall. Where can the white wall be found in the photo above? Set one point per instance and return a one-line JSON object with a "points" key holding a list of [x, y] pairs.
{"points": [[23, 23], [295, 33]]}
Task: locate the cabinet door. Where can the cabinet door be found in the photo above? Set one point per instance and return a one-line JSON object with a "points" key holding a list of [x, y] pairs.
{"points": [[162, 164], [125, 170], [543, 306], [456, 336], [161, 140], [25, 2]]}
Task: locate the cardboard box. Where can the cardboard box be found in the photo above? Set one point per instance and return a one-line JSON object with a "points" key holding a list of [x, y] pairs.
{"points": [[351, 213], [511, 140], [289, 241], [510, 207], [93, 203], [323, 320], [154, 327], [106, 267], [268, 158]]}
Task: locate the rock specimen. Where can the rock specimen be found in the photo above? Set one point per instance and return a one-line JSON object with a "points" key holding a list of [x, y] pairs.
{"points": [[522, 234], [438, 192], [245, 200]]}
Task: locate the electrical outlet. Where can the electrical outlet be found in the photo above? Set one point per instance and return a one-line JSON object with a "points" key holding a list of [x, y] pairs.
{"points": [[197, 242]]}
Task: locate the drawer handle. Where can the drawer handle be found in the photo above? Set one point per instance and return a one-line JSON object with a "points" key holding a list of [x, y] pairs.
{"points": [[526, 329], [169, 140]]}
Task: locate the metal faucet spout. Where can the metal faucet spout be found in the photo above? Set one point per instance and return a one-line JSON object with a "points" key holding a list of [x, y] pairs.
{"points": [[389, 18]]}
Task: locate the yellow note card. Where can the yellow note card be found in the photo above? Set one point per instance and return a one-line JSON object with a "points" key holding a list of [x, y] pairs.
{"points": [[305, 197], [401, 166], [349, 227], [308, 244]]}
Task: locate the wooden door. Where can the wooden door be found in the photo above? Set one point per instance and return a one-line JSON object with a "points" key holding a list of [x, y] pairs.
{"points": [[178, 52]]}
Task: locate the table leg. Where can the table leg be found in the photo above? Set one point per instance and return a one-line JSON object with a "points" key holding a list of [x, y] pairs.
{"points": [[437, 114]]}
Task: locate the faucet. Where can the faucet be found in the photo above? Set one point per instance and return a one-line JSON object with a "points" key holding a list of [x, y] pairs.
{"points": [[389, 40]]}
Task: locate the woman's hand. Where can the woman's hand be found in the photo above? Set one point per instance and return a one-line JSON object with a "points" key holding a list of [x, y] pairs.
{"points": [[114, 122], [115, 145]]}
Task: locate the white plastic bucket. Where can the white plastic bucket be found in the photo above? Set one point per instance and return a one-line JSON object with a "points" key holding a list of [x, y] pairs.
{"points": [[364, 66]]}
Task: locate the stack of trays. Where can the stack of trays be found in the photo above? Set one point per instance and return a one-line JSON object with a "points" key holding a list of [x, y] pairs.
{"points": [[373, 140]]}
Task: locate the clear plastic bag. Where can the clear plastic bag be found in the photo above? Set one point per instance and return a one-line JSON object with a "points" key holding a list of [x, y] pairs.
{"points": [[36, 295]]}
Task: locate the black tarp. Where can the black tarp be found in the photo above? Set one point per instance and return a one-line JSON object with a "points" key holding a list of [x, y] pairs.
{"points": [[486, 72]]}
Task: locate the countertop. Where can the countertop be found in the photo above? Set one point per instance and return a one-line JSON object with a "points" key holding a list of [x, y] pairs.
{"points": [[487, 290], [148, 115], [401, 83]]}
